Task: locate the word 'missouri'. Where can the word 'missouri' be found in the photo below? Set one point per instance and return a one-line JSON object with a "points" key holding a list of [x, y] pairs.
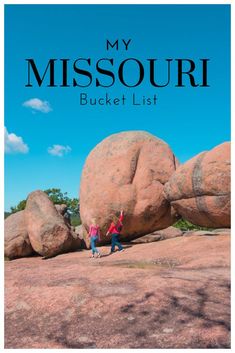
{"points": [[106, 72]]}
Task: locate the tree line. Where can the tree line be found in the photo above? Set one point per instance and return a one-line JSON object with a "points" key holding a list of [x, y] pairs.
{"points": [[57, 197]]}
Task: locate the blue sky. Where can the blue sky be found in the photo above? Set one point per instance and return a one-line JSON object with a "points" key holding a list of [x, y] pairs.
{"points": [[189, 119]]}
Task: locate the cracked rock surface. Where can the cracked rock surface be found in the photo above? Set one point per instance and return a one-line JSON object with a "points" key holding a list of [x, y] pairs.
{"points": [[128, 171], [169, 294]]}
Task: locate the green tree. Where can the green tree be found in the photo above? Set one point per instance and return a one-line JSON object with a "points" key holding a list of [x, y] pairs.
{"points": [[57, 197], [21, 206]]}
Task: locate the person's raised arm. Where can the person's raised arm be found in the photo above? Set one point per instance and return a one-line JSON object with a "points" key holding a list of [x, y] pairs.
{"points": [[121, 216]]}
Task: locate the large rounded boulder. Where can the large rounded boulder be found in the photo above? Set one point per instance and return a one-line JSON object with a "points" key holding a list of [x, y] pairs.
{"points": [[127, 171], [48, 233], [199, 190], [16, 239]]}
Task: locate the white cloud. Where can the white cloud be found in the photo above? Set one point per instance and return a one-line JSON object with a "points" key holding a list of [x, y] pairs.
{"points": [[38, 104], [14, 144], [59, 150]]}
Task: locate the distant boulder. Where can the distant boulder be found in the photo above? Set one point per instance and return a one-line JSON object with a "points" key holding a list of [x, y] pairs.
{"points": [[16, 239], [199, 190]]}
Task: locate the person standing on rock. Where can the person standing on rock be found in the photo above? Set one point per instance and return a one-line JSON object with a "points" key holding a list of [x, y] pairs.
{"points": [[94, 234], [115, 230]]}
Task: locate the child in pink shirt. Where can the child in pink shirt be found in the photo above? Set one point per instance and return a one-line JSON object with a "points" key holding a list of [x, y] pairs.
{"points": [[94, 234]]}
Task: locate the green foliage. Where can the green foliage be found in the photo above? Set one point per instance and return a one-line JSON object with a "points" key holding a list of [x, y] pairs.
{"points": [[6, 214], [20, 207], [75, 220], [185, 225], [57, 197]]}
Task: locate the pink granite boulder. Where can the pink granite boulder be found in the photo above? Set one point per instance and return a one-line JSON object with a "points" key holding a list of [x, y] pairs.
{"points": [[16, 239], [199, 190], [48, 233], [127, 171]]}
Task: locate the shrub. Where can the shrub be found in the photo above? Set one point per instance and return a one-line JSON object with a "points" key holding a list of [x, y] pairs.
{"points": [[186, 225]]}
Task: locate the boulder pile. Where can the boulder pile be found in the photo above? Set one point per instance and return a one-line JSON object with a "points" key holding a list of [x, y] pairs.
{"points": [[136, 172], [40, 228]]}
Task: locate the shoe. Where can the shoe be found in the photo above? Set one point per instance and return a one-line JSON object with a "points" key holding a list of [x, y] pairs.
{"points": [[93, 256], [121, 250], [98, 255]]}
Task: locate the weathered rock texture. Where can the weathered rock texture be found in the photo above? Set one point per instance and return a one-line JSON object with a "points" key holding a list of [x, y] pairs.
{"points": [[77, 243], [61, 208], [212, 233], [168, 233], [48, 233], [127, 171], [199, 190], [169, 294], [16, 242], [80, 233]]}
